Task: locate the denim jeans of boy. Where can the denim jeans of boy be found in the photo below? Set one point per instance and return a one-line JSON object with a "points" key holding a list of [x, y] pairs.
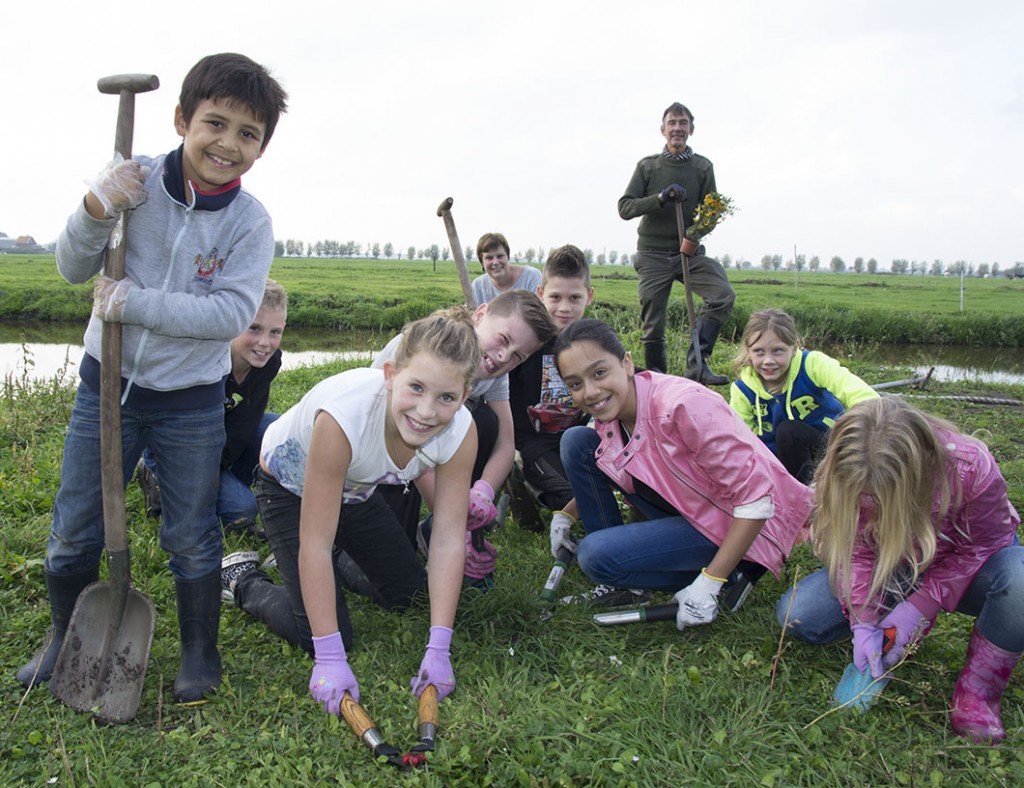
{"points": [[995, 597], [236, 502], [186, 446], [664, 553]]}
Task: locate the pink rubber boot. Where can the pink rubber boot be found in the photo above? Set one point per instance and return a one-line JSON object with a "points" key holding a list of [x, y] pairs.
{"points": [[976, 714]]}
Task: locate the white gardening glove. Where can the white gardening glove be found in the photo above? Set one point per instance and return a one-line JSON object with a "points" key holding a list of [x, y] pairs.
{"points": [[561, 533], [698, 602], [121, 185], [109, 297]]}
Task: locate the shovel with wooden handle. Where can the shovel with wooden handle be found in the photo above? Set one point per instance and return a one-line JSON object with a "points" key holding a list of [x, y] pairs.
{"points": [[677, 198], [102, 662], [444, 210]]}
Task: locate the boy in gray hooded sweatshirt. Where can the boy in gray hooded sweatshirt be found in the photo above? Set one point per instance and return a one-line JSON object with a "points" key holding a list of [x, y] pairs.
{"points": [[198, 251]]}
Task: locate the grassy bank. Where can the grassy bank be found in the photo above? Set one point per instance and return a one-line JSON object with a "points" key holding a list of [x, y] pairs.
{"points": [[382, 295], [538, 703]]}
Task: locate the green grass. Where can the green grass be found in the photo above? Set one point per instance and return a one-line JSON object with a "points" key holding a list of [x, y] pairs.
{"points": [[382, 295], [538, 703]]}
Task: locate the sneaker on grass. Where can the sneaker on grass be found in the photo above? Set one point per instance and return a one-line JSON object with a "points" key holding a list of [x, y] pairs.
{"points": [[739, 585], [609, 596], [232, 569]]}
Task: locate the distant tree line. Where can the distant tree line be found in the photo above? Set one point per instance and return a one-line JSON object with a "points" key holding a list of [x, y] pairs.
{"points": [[769, 262]]}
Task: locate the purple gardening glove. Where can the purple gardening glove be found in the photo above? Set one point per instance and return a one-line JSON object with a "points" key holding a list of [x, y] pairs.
{"points": [[332, 677], [910, 624], [109, 297], [482, 510], [479, 565], [868, 640], [436, 667]]}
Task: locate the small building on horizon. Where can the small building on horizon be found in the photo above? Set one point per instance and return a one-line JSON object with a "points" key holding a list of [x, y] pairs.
{"points": [[23, 244]]}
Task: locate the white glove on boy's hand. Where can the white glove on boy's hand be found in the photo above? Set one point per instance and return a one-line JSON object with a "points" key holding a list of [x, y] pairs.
{"points": [[698, 602], [561, 533], [109, 297], [121, 185]]}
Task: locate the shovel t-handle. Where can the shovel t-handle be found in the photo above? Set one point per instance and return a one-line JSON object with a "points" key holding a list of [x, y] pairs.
{"points": [[444, 210], [675, 194]]}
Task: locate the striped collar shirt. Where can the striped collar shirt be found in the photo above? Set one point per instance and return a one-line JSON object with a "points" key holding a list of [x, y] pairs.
{"points": [[686, 155]]}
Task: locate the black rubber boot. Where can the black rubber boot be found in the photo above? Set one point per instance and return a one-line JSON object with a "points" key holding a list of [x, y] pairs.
{"points": [[198, 622], [707, 335], [655, 357], [63, 591]]}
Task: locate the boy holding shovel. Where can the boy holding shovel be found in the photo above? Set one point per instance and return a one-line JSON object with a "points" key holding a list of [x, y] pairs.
{"points": [[198, 252]]}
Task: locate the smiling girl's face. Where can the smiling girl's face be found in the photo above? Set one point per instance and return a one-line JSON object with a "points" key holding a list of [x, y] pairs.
{"points": [[770, 357], [424, 396], [601, 384]]}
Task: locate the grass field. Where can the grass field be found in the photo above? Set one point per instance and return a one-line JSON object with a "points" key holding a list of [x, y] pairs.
{"points": [[554, 702], [382, 295], [538, 703]]}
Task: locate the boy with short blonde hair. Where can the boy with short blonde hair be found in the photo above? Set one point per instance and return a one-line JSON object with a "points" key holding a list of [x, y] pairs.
{"points": [[510, 329]]}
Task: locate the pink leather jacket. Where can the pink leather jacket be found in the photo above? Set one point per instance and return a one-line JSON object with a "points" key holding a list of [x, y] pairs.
{"points": [[693, 450], [980, 522]]}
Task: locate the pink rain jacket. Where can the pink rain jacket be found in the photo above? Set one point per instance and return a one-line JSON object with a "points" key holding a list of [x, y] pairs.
{"points": [[978, 524], [693, 450]]}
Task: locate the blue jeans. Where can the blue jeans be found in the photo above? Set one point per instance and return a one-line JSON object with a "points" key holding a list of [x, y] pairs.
{"points": [[995, 597], [186, 446], [664, 553], [236, 502]]}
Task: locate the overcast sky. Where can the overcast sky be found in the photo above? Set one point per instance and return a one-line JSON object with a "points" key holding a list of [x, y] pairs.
{"points": [[873, 129]]}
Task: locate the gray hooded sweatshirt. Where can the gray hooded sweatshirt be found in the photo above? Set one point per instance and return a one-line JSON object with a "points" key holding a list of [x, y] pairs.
{"points": [[199, 271]]}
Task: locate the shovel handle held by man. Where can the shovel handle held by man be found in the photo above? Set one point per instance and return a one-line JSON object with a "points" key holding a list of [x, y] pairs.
{"points": [[677, 199]]}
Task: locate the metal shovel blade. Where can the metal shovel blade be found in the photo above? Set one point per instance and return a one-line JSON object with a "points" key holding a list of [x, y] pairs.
{"points": [[102, 663]]}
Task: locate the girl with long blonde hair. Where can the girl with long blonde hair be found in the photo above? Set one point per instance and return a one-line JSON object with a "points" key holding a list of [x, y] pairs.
{"points": [[320, 466], [912, 517]]}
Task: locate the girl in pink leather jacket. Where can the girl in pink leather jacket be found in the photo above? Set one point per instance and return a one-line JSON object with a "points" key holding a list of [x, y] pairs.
{"points": [[713, 493], [912, 517]]}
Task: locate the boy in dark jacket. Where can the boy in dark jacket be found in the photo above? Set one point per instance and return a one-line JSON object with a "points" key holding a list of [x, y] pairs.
{"points": [[542, 406]]}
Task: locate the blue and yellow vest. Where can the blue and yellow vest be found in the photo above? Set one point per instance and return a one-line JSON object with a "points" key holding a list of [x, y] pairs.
{"points": [[804, 401]]}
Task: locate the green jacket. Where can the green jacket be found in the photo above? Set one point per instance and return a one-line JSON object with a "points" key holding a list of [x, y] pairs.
{"points": [[657, 231]]}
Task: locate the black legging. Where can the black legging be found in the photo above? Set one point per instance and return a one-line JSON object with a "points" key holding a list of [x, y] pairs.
{"points": [[800, 448], [406, 501], [367, 531]]}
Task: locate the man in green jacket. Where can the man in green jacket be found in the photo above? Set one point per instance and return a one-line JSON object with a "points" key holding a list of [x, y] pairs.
{"points": [[658, 261]]}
